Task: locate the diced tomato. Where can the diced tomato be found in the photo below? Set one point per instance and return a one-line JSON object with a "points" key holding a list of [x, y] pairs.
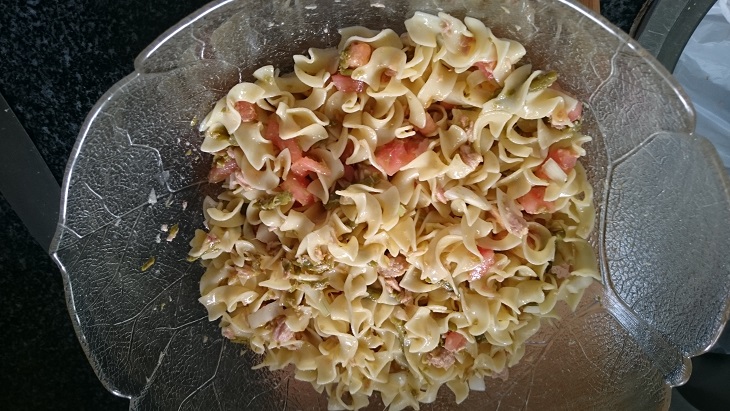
{"points": [[297, 186], [564, 157], [576, 113], [220, 173], [534, 201], [487, 68], [358, 54], [454, 341], [246, 110], [347, 84], [429, 128], [484, 266], [305, 165], [399, 152], [272, 134]]}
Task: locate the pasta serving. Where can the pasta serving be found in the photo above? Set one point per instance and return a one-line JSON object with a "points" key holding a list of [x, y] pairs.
{"points": [[398, 213]]}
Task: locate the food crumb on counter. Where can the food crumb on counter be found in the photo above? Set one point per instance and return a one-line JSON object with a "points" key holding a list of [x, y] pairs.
{"points": [[149, 263]]}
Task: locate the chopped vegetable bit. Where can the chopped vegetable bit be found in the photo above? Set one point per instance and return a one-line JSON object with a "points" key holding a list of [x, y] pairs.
{"points": [[275, 200], [453, 341], [272, 134], [534, 201], [357, 54], [194, 121], [576, 113], [396, 267], [220, 134], [297, 186], [565, 159], [247, 111], [173, 232], [191, 259], [348, 84], [224, 167], [559, 233], [373, 294], [370, 180], [149, 263], [543, 80], [305, 165], [305, 264], [399, 152], [189, 152], [333, 202], [561, 270], [440, 357]]}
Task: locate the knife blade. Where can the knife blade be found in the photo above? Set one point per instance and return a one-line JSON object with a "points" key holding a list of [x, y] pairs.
{"points": [[26, 181]]}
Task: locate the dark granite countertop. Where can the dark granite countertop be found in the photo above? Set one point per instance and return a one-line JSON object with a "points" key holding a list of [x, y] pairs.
{"points": [[56, 59]]}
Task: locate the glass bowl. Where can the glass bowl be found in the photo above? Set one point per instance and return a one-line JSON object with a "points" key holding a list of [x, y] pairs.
{"points": [[662, 200]]}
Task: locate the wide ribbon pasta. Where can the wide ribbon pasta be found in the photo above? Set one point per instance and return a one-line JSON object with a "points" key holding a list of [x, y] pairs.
{"points": [[397, 214]]}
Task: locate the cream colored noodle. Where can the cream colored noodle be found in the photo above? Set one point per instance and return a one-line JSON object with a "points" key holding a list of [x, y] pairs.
{"points": [[475, 267]]}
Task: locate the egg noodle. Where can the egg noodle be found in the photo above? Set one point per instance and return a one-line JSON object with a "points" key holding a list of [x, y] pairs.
{"points": [[398, 213]]}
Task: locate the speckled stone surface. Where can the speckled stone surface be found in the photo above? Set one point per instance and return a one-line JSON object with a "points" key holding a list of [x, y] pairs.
{"points": [[56, 59]]}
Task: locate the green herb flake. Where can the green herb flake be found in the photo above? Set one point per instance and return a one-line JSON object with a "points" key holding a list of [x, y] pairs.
{"points": [[370, 180], [373, 293], [189, 152], [149, 263], [333, 202], [220, 134], [344, 67], [309, 266], [543, 81], [276, 200]]}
